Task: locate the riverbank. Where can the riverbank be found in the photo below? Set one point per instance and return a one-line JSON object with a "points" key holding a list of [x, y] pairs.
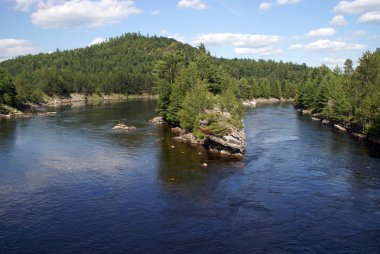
{"points": [[352, 129], [254, 102], [74, 99], [82, 98]]}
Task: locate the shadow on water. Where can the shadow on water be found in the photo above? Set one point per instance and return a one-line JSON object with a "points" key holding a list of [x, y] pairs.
{"points": [[7, 133]]}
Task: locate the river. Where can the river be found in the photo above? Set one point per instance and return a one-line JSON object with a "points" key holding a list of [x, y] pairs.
{"points": [[69, 184]]}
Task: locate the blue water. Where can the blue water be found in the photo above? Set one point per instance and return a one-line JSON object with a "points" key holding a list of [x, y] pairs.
{"points": [[69, 184]]}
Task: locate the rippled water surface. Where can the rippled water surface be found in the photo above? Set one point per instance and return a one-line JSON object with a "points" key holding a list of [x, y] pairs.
{"points": [[69, 184]]}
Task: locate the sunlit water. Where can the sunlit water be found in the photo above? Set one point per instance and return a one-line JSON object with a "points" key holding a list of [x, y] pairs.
{"points": [[69, 184]]}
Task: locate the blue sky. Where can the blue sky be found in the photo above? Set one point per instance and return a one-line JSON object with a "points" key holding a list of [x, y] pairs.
{"points": [[314, 32]]}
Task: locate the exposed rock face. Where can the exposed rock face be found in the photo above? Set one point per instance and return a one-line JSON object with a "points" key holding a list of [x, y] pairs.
{"points": [[231, 144], [158, 120], [123, 127]]}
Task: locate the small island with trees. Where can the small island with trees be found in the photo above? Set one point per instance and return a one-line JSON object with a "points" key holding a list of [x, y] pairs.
{"points": [[200, 96]]}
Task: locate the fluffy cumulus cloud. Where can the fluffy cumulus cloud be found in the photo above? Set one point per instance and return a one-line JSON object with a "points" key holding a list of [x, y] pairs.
{"points": [[338, 20], [328, 45], [357, 6], [97, 40], [327, 31], [370, 8], [77, 13], [236, 39], [243, 43], [10, 48], [370, 17], [192, 4]]}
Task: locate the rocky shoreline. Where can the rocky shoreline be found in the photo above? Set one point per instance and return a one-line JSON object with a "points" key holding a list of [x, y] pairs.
{"points": [[352, 129], [254, 102], [232, 144], [75, 98]]}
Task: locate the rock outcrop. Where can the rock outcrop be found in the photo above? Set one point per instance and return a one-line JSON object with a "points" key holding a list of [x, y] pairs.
{"points": [[158, 120], [353, 129], [217, 132], [123, 127], [231, 144]]}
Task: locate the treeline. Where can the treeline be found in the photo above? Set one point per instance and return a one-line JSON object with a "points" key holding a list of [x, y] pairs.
{"points": [[348, 95], [121, 65], [266, 78], [125, 65]]}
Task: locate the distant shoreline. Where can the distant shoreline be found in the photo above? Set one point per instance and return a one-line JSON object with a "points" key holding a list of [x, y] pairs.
{"points": [[74, 99], [254, 102], [82, 98]]}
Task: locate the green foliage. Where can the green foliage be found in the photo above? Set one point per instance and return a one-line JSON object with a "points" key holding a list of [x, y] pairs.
{"points": [[352, 96], [7, 89], [196, 101], [124, 64]]}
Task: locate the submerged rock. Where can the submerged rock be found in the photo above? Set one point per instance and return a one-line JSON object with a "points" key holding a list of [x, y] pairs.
{"points": [[123, 127]]}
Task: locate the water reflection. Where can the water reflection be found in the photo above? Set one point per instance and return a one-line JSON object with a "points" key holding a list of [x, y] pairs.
{"points": [[69, 184]]}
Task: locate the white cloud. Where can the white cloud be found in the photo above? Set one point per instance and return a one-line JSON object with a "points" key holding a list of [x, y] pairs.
{"points": [[296, 46], [97, 40], [10, 48], [283, 2], [328, 45], [338, 20], [326, 31], [163, 31], [370, 17], [192, 4], [83, 13], [357, 6], [244, 44], [178, 38], [265, 6], [263, 51], [237, 40], [332, 62]]}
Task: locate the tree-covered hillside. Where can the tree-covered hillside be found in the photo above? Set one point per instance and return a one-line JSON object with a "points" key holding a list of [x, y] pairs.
{"points": [[125, 65], [120, 65]]}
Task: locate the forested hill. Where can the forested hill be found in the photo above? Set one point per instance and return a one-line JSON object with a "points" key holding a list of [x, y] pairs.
{"points": [[125, 65], [122, 65]]}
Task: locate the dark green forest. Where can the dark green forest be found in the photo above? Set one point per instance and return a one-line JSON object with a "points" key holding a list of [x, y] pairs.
{"points": [[125, 65], [189, 79], [348, 95]]}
